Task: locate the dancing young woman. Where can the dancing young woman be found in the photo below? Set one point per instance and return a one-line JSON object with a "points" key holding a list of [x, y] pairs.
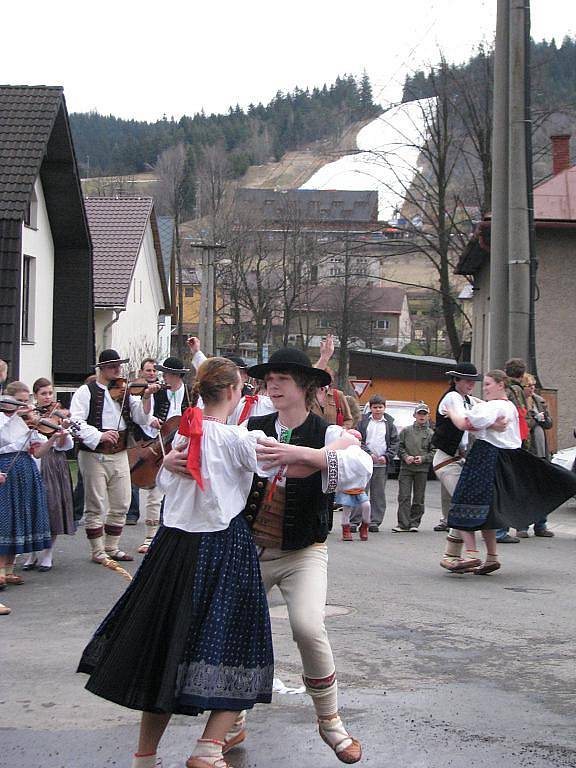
{"points": [[501, 484], [192, 632]]}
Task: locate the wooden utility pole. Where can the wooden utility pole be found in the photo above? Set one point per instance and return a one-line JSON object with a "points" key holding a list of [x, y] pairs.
{"points": [[510, 279]]}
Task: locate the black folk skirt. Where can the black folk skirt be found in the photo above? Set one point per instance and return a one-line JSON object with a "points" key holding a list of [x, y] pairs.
{"points": [[191, 632], [501, 488]]}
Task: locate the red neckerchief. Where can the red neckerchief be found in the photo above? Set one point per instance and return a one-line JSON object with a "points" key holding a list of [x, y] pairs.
{"points": [[249, 401], [191, 427]]}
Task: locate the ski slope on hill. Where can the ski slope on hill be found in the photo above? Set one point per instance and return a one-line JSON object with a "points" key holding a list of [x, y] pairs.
{"points": [[390, 146]]}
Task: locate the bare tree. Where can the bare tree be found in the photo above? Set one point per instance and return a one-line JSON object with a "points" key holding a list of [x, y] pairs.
{"points": [[173, 172]]}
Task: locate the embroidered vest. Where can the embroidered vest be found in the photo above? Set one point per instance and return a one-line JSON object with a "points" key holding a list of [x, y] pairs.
{"points": [[447, 437], [306, 507], [96, 409]]}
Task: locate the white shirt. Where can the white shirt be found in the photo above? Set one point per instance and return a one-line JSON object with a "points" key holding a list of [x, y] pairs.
{"points": [[228, 464], [175, 398], [15, 436], [456, 402], [376, 434], [111, 418], [261, 407], [484, 414], [352, 467]]}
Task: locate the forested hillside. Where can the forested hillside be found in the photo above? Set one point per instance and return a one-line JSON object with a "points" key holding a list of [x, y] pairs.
{"points": [[106, 145], [553, 75]]}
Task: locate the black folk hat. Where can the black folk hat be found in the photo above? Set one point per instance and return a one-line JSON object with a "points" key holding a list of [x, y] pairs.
{"points": [[110, 357], [465, 371], [238, 361], [290, 359], [173, 365]]}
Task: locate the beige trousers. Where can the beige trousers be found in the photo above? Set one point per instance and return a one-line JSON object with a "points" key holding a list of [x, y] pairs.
{"points": [[153, 504], [302, 577], [448, 476], [107, 493]]}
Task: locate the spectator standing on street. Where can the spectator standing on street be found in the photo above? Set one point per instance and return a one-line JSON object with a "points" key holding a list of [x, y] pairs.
{"points": [[540, 414], [416, 455], [515, 369], [380, 439]]}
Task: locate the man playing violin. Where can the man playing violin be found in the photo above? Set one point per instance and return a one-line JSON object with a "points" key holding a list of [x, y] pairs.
{"points": [[171, 400], [104, 417]]}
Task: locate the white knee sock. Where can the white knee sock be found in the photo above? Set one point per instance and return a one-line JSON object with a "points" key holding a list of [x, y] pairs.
{"points": [[365, 510]]}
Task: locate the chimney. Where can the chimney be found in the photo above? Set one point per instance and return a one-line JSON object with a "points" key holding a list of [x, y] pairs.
{"points": [[560, 153]]}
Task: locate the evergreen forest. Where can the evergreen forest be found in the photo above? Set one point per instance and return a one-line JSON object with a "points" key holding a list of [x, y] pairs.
{"points": [[552, 74], [107, 145]]}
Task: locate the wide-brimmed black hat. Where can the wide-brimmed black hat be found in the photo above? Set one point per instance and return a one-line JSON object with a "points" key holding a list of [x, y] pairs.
{"points": [[290, 359], [110, 356], [173, 365], [236, 360], [465, 371]]}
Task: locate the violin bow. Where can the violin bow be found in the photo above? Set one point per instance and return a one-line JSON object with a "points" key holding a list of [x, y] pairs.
{"points": [[122, 404]]}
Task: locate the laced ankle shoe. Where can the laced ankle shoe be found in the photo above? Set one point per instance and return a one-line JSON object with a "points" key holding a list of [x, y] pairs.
{"points": [[346, 748], [207, 754], [147, 761]]}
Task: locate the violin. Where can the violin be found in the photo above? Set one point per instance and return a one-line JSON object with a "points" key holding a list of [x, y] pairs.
{"points": [[118, 388]]}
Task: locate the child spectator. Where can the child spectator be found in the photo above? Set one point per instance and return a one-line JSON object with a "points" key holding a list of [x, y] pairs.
{"points": [[416, 454]]}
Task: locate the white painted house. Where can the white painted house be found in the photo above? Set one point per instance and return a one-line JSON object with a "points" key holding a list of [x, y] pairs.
{"points": [[131, 296], [46, 299]]}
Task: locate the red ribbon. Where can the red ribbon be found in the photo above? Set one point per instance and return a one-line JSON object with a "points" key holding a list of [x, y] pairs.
{"points": [[191, 427], [249, 401]]}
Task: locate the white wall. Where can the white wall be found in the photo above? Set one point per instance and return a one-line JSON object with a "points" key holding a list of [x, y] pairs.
{"points": [[36, 356], [135, 334]]}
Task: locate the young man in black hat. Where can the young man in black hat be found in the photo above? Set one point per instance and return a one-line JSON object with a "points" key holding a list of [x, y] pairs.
{"points": [[289, 520], [102, 458]]}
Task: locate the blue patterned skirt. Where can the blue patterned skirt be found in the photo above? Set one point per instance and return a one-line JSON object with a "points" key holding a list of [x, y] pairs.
{"points": [[191, 632], [501, 488], [24, 521]]}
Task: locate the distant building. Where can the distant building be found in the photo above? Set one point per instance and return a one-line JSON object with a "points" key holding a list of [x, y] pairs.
{"points": [[555, 225], [130, 288], [46, 281]]}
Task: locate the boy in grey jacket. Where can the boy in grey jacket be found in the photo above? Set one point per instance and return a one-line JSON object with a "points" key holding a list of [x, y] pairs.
{"points": [[416, 454]]}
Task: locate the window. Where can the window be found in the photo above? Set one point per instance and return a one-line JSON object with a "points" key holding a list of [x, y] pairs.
{"points": [[314, 274], [189, 291], [28, 291], [31, 215], [383, 325], [322, 322]]}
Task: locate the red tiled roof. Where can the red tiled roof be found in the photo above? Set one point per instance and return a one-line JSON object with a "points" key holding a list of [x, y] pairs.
{"points": [[555, 197], [117, 226]]}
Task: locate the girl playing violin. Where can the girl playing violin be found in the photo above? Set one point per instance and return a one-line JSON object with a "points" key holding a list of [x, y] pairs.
{"points": [[24, 521], [55, 473]]}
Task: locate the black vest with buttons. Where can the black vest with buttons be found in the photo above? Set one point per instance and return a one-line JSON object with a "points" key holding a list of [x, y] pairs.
{"points": [[447, 437], [96, 409], [306, 510], [161, 403]]}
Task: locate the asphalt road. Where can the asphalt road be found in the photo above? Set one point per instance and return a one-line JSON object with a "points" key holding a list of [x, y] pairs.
{"points": [[435, 670]]}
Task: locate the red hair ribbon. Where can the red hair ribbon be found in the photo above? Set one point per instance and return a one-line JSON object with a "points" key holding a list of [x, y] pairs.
{"points": [[249, 401], [191, 427]]}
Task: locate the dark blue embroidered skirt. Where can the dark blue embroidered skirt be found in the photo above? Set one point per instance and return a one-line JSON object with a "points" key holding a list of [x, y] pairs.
{"points": [[191, 632], [24, 521], [501, 488]]}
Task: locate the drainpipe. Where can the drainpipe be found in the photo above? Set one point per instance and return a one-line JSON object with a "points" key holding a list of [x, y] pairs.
{"points": [[109, 325]]}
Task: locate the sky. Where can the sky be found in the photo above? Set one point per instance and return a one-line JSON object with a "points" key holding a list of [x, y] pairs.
{"points": [[145, 59]]}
